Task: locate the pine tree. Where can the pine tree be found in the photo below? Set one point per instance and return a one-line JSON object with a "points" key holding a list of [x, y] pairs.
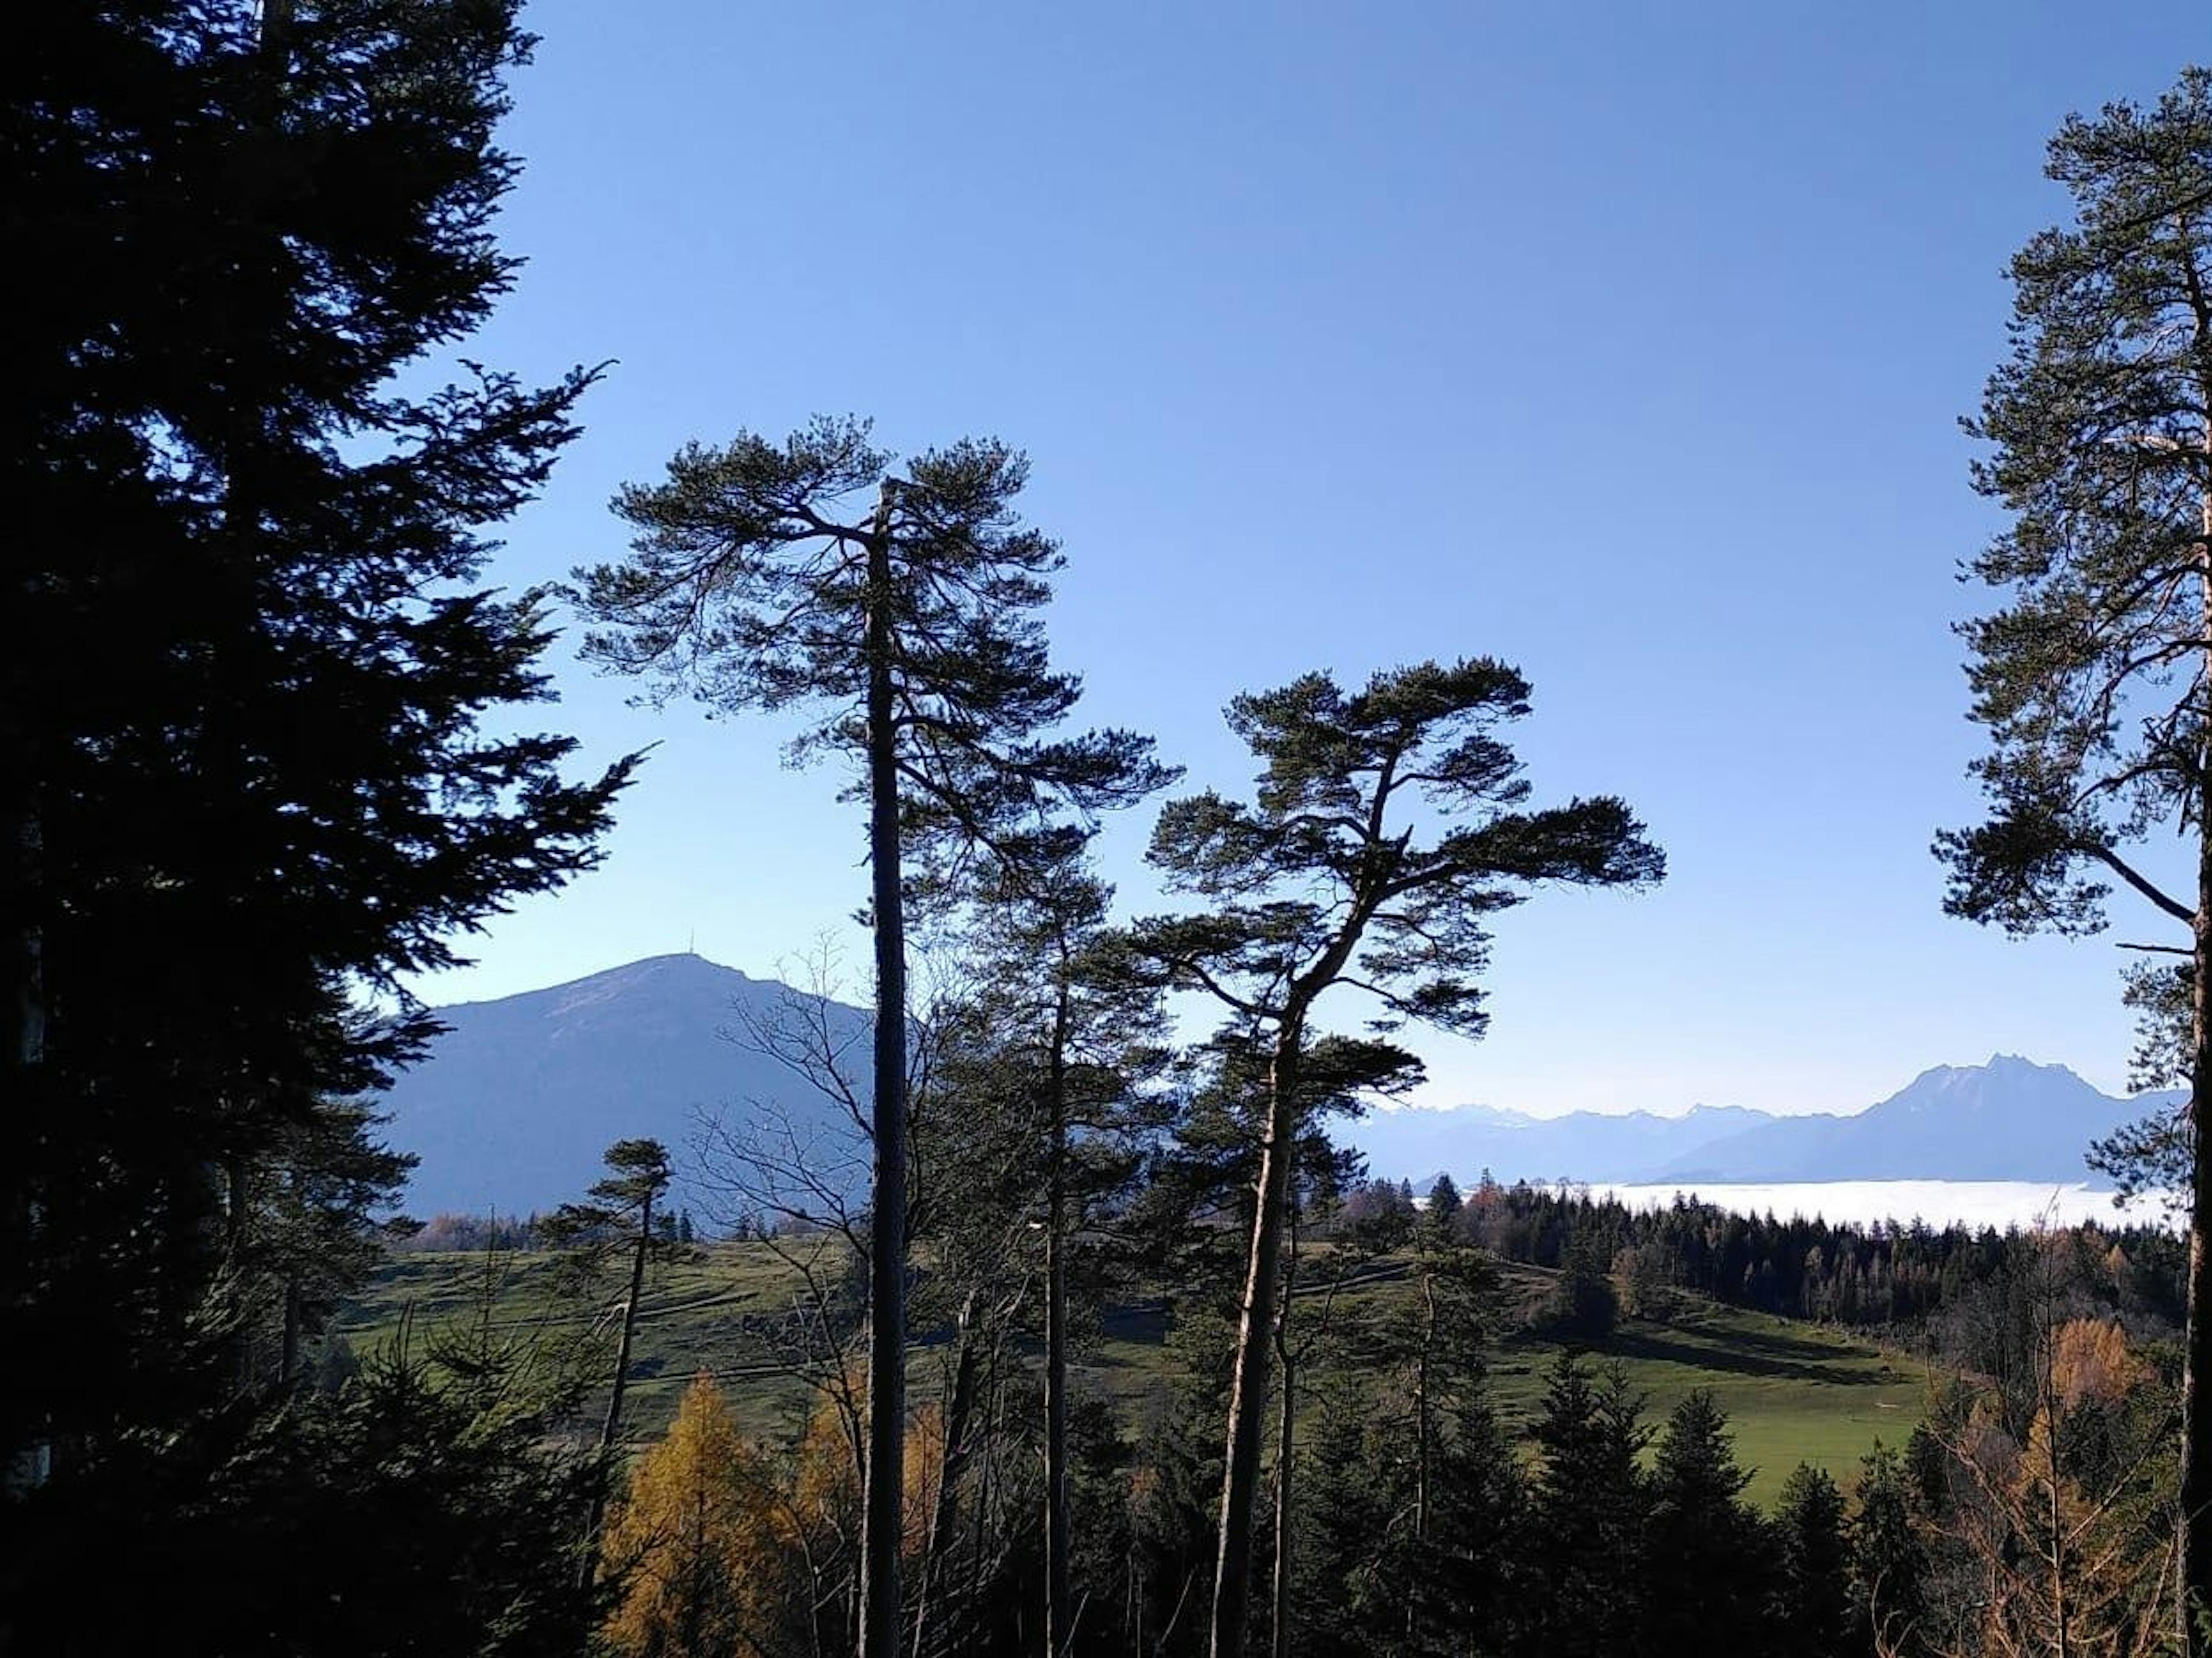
{"points": [[1443, 1205], [1473, 1562], [1321, 882], [1069, 1052], [756, 582], [2094, 679], [618, 1219]]}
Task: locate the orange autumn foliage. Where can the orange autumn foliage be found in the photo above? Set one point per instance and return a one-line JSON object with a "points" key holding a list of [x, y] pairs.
{"points": [[702, 1541]]}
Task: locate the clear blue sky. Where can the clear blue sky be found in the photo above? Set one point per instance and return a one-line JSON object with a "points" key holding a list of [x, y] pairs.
{"points": [[1625, 342]]}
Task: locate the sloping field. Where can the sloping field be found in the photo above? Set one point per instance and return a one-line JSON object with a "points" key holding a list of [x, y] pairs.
{"points": [[1792, 1392]]}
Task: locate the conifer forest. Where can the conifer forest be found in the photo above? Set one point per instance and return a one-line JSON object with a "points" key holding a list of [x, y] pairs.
{"points": [[1083, 1329]]}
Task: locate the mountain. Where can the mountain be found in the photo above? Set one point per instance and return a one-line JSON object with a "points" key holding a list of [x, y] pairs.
{"points": [[1589, 1146], [514, 1104], [2009, 1120], [518, 1099]]}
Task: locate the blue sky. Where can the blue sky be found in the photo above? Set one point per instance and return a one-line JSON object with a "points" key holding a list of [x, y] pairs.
{"points": [[1625, 342]]}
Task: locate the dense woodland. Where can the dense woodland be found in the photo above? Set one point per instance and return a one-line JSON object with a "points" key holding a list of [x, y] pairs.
{"points": [[269, 751]]}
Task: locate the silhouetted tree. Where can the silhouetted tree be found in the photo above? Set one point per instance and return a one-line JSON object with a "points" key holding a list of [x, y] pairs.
{"points": [[1888, 1568], [2096, 680], [1068, 1053], [1812, 1604], [255, 696], [1706, 1555], [1587, 1503]]}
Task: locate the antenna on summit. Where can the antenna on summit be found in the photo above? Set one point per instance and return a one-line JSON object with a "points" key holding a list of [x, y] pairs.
{"points": [[691, 943]]}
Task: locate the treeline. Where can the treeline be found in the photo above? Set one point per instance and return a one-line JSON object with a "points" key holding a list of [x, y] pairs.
{"points": [[1456, 1547], [2027, 1515], [1893, 1276]]}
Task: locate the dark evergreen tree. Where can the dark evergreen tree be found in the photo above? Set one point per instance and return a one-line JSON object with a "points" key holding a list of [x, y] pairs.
{"points": [[1586, 1513], [412, 1509], [1813, 1601], [2096, 680], [1888, 1567], [1443, 1205], [1705, 1557], [1583, 1305], [758, 578], [254, 759], [1068, 1057], [1354, 1541], [1321, 882], [1472, 1563]]}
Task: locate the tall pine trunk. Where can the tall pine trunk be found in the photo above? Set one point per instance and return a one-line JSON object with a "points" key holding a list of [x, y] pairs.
{"points": [[2195, 1562], [1058, 1631], [1285, 1437], [613, 1426], [2195, 1552], [1255, 1331], [883, 1527]]}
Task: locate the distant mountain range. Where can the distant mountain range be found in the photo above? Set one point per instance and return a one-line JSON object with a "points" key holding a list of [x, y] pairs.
{"points": [[2009, 1120], [519, 1098]]}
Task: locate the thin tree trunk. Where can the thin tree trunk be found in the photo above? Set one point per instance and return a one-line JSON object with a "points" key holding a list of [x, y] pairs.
{"points": [[26, 1012], [1057, 1527], [1248, 1387], [1285, 1463], [612, 1425], [882, 1526], [957, 1410], [234, 1227], [2195, 1550], [1421, 1437]]}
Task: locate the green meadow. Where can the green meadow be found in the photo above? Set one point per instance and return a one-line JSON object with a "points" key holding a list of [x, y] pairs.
{"points": [[1793, 1392]]}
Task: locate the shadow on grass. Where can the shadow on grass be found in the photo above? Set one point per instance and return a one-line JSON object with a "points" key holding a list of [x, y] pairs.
{"points": [[1744, 1355]]}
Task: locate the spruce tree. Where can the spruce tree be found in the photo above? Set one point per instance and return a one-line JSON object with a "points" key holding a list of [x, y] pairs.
{"points": [[1812, 1611], [1888, 1564], [1704, 1553], [255, 696], [1325, 881], [1586, 1510], [900, 608], [2095, 677]]}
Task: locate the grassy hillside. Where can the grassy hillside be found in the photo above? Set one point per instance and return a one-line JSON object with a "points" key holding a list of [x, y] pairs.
{"points": [[1792, 1392]]}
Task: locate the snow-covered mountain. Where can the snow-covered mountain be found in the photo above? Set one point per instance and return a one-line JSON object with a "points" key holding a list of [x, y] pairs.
{"points": [[517, 1101], [2009, 1120]]}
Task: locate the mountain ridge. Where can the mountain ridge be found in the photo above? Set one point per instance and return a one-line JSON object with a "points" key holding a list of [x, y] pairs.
{"points": [[517, 1100]]}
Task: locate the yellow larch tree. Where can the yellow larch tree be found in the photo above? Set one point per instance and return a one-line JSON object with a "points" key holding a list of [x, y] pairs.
{"points": [[702, 1542]]}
